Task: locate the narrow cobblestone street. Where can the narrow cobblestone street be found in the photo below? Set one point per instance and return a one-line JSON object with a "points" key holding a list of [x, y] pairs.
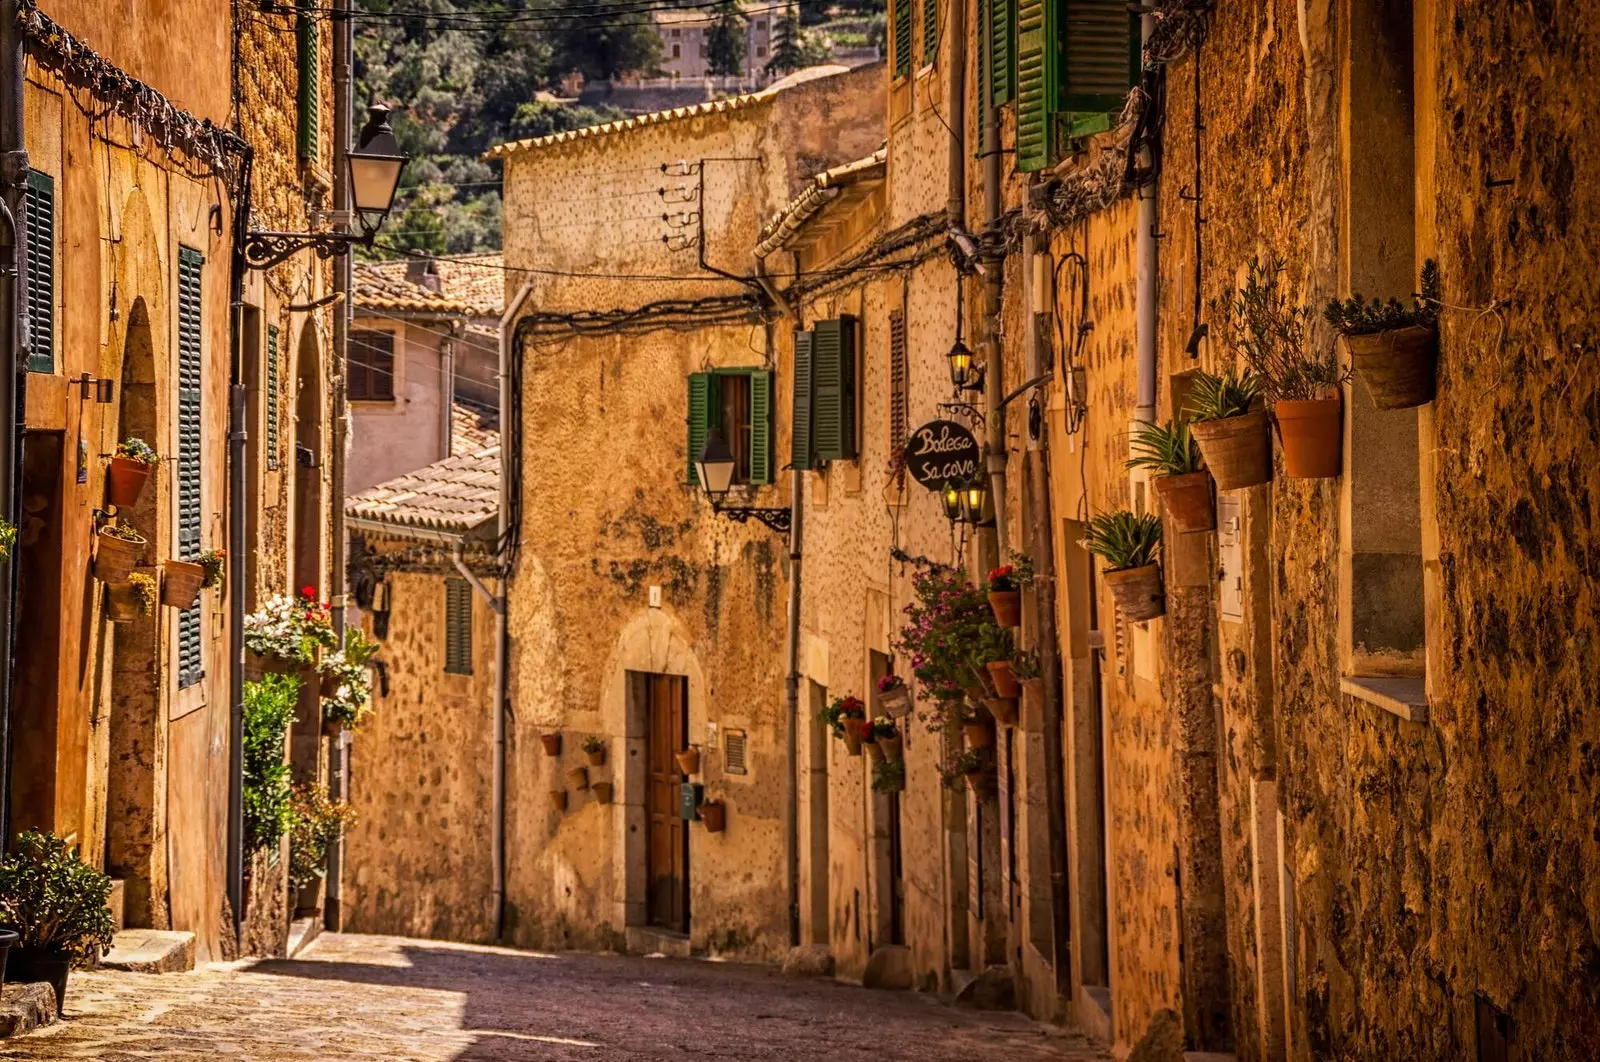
{"points": [[354, 997]]}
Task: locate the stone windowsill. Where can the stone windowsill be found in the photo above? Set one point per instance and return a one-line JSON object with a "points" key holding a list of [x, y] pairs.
{"points": [[1402, 695]]}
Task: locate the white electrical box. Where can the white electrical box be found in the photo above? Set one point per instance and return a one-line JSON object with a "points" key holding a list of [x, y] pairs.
{"points": [[1230, 558]]}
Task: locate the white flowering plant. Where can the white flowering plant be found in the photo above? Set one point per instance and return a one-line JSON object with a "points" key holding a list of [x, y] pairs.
{"points": [[351, 698], [290, 628]]}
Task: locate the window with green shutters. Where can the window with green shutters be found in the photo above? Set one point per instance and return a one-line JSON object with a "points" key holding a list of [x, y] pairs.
{"points": [[800, 455], [930, 31], [272, 397], [40, 255], [191, 266], [833, 389], [309, 61], [457, 627], [1076, 61], [902, 37], [997, 55], [738, 403]]}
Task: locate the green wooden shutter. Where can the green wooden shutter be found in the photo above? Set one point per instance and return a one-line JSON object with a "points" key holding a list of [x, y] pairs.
{"points": [[760, 428], [1100, 56], [930, 31], [699, 418], [833, 389], [902, 38], [1038, 64], [40, 257], [191, 263], [309, 59], [272, 397], [1001, 32], [457, 627], [800, 421]]}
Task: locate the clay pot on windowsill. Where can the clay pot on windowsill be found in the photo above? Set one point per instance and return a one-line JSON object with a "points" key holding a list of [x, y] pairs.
{"points": [[551, 743], [558, 799], [1004, 710], [115, 558], [893, 748], [979, 733], [1138, 592], [1007, 607], [714, 815], [1312, 434], [1005, 680], [125, 481], [578, 778], [1397, 366], [1238, 450], [1187, 501], [596, 757], [854, 728], [180, 583], [601, 791], [688, 760]]}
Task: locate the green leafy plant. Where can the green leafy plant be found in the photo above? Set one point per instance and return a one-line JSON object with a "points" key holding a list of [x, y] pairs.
{"points": [[947, 637], [8, 538], [1021, 570], [135, 449], [592, 743], [1357, 317], [889, 776], [144, 585], [269, 707], [1267, 327], [1165, 449], [955, 769], [1123, 540], [291, 628], [842, 708], [54, 900], [1218, 396], [1025, 664], [214, 562], [352, 695], [317, 822], [123, 532]]}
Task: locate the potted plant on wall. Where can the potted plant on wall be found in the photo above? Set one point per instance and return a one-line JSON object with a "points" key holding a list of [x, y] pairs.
{"points": [[214, 563], [1025, 666], [180, 583], [1128, 545], [137, 597], [965, 766], [889, 776], [551, 742], [1173, 457], [887, 737], [894, 695], [1230, 430], [688, 759], [714, 816], [130, 469], [1005, 596], [977, 727], [287, 633], [594, 750], [994, 684], [118, 548], [56, 903], [1268, 328], [346, 688], [1394, 347], [847, 718], [946, 619]]}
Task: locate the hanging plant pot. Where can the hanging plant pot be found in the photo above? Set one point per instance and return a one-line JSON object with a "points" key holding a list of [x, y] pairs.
{"points": [[551, 743], [977, 781], [893, 748], [1238, 450], [875, 753], [578, 778], [1187, 500], [714, 815], [854, 728], [115, 558], [123, 603], [125, 481], [601, 791], [1312, 434], [331, 727], [596, 757], [1005, 680], [1007, 607], [257, 665], [1397, 366], [1033, 690], [328, 685], [1138, 592], [180, 583], [979, 733], [688, 760], [558, 799], [896, 703], [1004, 710]]}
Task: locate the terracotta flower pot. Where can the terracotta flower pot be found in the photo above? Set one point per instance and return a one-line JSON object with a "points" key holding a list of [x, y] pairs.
{"points": [[125, 481], [976, 780], [1005, 680], [688, 760], [180, 583], [1397, 366], [893, 748], [714, 815], [551, 743], [896, 703], [558, 799], [596, 757], [257, 665], [578, 778], [1312, 434], [328, 684], [115, 558], [1033, 690], [1238, 450], [123, 604], [1187, 500], [1004, 710], [979, 734], [1138, 592], [1007, 607], [601, 791], [874, 752], [854, 728]]}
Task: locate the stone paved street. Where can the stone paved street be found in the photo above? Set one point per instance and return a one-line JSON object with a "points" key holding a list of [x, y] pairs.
{"points": [[353, 997]]}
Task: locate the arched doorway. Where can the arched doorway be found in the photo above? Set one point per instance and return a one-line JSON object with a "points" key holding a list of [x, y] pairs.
{"points": [[135, 803]]}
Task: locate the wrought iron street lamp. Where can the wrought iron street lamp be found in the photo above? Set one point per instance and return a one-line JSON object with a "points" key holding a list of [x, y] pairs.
{"points": [[974, 495], [964, 371], [375, 167], [950, 498], [714, 466]]}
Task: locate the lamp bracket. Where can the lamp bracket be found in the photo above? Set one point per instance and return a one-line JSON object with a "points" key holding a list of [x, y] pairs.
{"points": [[964, 409], [263, 250], [778, 519]]}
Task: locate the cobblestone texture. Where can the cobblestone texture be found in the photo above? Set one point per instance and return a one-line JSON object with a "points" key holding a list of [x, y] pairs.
{"points": [[356, 997]]}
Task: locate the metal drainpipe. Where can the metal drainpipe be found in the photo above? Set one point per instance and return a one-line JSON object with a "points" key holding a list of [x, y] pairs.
{"points": [[502, 633], [994, 359], [238, 502], [1144, 299], [13, 349], [792, 696], [337, 788]]}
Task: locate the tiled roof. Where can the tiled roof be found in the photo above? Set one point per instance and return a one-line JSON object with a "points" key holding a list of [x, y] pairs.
{"points": [[471, 284], [822, 189], [473, 428], [454, 497]]}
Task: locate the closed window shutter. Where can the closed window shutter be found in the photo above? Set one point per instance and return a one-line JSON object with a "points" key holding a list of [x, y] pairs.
{"points": [[699, 418], [310, 68], [898, 412], [760, 428], [983, 90], [833, 387], [1001, 33], [40, 254], [800, 423], [930, 31], [1037, 69], [272, 397], [191, 265], [902, 38], [457, 627], [370, 366], [1100, 46]]}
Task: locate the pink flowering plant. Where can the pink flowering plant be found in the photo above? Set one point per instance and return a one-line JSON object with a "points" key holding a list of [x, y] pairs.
{"points": [[291, 628], [949, 635]]}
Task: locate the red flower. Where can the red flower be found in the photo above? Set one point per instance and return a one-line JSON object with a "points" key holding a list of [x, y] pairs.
{"points": [[309, 591], [1005, 571]]}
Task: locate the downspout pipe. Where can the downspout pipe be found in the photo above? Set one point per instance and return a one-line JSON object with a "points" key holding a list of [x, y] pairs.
{"points": [[994, 293], [791, 690], [502, 635], [13, 353], [458, 558], [238, 509], [1145, 294]]}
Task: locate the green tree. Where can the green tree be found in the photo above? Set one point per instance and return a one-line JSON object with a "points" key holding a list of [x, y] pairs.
{"points": [[624, 43], [725, 41], [787, 51]]}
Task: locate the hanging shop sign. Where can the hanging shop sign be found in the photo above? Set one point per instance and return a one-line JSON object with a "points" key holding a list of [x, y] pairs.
{"points": [[940, 452]]}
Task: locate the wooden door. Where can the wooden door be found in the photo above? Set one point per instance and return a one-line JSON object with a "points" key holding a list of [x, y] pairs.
{"points": [[897, 876], [668, 713]]}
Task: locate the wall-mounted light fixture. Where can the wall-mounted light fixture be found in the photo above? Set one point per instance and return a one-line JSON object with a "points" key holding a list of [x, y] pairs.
{"points": [[714, 466]]}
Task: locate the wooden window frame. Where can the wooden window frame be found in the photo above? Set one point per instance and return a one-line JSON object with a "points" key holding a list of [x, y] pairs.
{"points": [[189, 490], [372, 374], [458, 607]]}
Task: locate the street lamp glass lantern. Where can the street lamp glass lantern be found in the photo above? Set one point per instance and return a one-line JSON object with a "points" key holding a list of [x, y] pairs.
{"points": [[961, 369], [375, 167], [973, 497], [714, 466], [950, 498]]}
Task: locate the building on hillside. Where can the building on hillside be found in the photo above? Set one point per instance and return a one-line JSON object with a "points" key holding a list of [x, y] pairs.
{"points": [[685, 44], [424, 361]]}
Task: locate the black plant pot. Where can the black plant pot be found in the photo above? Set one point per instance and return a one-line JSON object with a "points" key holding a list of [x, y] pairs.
{"points": [[8, 940], [48, 965]]}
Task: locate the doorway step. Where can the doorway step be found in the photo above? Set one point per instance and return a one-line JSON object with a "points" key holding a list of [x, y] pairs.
{"points": [[650, 940], [150, 951]]}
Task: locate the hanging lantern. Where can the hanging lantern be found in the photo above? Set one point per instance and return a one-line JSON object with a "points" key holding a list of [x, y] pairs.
{"points": [[963, 370], [950, 498], [974, 494]]}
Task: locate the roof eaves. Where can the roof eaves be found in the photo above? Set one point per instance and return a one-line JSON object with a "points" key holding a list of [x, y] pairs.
{"points": [[821, 190], [722, 106]]}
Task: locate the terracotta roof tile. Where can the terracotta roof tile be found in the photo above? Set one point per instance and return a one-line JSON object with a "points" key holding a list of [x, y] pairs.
{"points": [[455, 496], [473, 428], [469, 284]]}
